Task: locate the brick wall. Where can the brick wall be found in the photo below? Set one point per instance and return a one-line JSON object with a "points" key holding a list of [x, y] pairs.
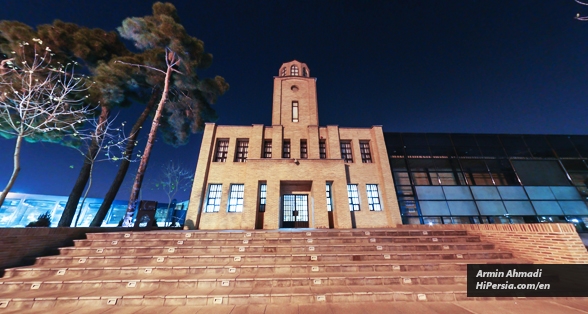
{"points": [[18, 246], [536, 243]]}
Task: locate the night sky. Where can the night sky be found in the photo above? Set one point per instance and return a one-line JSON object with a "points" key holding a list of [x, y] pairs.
{"points": [[412, 66]]}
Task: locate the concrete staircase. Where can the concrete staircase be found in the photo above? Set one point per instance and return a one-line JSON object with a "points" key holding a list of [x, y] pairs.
{"points": [[198, 268]]}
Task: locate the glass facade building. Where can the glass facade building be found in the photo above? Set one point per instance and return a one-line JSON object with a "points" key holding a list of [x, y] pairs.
{"points": [[490, 178], [19, 209]]}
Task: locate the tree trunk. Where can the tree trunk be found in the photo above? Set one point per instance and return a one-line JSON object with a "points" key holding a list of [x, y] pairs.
{"points": [[124, 166], [76, 193], [85, 195], [15, 170], [145, 158]]}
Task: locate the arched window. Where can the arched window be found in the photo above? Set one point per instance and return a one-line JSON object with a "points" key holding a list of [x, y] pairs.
{"points": [[294, 70], [283, 72], [304, 72]]}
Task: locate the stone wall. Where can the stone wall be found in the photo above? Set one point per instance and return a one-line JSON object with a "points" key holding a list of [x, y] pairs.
{"points": [[19, 246], [537, 243]]}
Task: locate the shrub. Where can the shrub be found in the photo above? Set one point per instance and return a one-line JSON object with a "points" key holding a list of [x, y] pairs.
{"points": [[44, 220]]}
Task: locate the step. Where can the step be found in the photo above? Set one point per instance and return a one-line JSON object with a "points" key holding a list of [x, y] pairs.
{"points": [[160, 271], [272, 234], [240, 281], [275, 241], [229, 295], [309, 247], [119, 298], [244, 257]]}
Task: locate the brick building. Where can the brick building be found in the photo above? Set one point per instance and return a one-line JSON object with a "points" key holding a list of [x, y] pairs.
{"points": [[294, 173]]}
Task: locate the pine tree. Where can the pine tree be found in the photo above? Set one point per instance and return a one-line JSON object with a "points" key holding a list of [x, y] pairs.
{"points": [[185, 100]]}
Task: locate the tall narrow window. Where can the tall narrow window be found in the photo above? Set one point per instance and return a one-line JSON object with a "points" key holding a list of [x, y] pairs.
{"points": [[286, 149], [329, 198], [267, 149], [236, 198], [304, 72], [262, 196], [323, 149], [303, 149], [353, 197], [373, 197], [294, 70], [222, 147], [364, 148], [214, 198], [346, 151], [241, 153], [294, 111], [283, 72]]}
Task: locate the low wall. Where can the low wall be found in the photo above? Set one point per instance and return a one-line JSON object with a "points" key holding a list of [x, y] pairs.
{"points": [[546, 243], [19, 246]]}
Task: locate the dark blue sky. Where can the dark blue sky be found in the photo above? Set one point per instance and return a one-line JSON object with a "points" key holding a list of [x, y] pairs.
{"points": [[412, 66]]}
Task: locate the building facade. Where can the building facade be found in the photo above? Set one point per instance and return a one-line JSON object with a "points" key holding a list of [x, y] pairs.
{"points": [[19, 209], [294, 173], [490, 178]]}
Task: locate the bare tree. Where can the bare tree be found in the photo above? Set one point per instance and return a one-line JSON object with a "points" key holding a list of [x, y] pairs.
{"points": [[173, 179], [171, 61], [110, 142], [38, 101], [578, 16]]}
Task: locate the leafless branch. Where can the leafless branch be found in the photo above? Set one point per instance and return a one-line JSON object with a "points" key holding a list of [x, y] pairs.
{"points": [[578, 16]]}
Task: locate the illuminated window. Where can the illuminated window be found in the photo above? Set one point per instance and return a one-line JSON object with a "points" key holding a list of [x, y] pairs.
{"points": [[222, 147], [262, 197], [267, 149], [373, 197], [303, 149], [353, 197], [294, 70], [236, 198], [241, 153], [323, 149], [346, 151], [294, 111], [364, 148], [283, 73], [329, 198], [214, 198], [286, 149]]}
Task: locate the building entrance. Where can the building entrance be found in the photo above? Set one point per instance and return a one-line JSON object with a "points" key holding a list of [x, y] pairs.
{"points": [[295, 211]]}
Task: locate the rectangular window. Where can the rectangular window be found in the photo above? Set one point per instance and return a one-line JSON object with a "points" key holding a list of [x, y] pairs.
{"points": [[323, 149], [329, 198], [303, 149], [241, 153], [366, 155], [346, 151], [267, 149], [222, 147], [214, 198], [294, 111], [236, 198], [373, 197], [262, 196], [353, 197], [286, 149]]}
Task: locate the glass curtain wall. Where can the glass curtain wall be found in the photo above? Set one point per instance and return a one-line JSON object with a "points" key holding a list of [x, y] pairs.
{"points": [[490, 178]]}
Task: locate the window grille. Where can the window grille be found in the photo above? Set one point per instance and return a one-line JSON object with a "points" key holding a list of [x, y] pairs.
{"points": [[214, 198]]}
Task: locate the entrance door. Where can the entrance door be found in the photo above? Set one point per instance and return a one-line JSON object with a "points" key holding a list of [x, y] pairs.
{"points": [[295, 211]]}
